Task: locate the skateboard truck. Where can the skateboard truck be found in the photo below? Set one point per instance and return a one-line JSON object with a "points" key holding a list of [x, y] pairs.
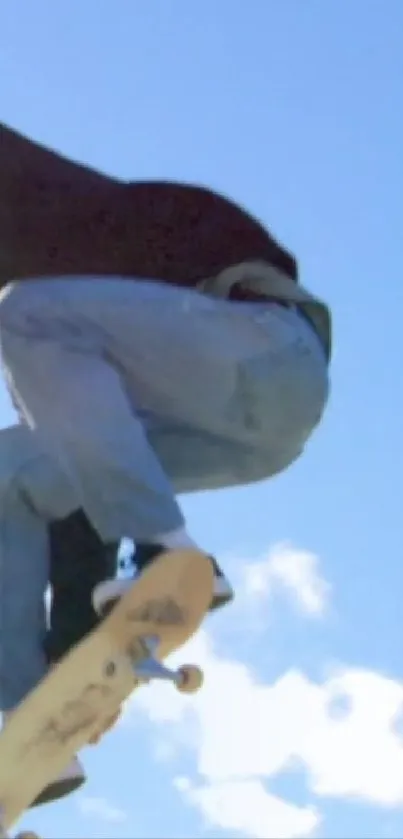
{"points": [[187, 679]]}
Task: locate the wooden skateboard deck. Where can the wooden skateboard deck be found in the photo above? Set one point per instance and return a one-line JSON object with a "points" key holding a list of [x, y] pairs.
{"points": [[60, 716]]}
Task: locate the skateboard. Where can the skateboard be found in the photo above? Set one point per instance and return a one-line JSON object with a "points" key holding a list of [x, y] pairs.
{"points": [[162, 610]]}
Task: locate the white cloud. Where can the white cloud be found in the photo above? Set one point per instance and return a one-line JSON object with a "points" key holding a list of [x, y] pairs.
{"points": [[101, 808], [243, 730], [292, 569], [360, 754], [245, 806]]}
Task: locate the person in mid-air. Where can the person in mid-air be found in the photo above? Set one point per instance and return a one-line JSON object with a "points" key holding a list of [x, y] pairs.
{"points": [[156, 339]]}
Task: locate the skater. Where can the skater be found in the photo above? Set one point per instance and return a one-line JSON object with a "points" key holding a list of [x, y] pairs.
{"points": [[157, 340]]}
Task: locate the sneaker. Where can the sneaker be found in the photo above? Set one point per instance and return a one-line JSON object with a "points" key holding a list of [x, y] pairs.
{"points": [[71, 779], [68, 781], [107, 593], [78, 561]]}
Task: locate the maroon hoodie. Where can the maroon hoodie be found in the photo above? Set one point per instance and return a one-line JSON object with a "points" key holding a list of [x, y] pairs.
{"points": [[61, 218]]}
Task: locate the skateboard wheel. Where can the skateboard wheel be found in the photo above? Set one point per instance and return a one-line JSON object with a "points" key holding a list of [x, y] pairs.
{"points": [[190, 679]]}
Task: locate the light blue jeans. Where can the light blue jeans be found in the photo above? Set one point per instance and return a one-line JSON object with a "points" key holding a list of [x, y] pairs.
{"points": [[33, 491], [137, 391]]}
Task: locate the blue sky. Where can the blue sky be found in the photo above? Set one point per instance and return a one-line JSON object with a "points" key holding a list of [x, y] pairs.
{"points": [[294, 108]]}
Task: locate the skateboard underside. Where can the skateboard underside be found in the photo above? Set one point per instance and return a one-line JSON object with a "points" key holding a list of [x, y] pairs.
{"points": [[72, 704]]}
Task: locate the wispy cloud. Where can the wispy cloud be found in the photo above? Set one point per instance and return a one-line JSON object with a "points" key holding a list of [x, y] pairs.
{"points": [[101, 808], [291, 569]]}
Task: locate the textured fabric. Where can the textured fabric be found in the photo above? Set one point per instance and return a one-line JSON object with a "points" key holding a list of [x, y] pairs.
{"points": [[37, 546], [140, 391], [58, 217], [254, 279], [24, 558], [112, 374]]}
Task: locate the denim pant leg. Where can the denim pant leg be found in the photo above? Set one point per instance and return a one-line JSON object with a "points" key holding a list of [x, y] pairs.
{"points": [[23, 581]]}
